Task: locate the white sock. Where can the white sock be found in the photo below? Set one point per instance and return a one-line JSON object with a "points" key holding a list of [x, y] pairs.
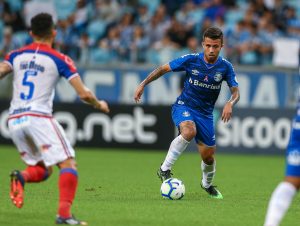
{"points": [[177, 146], [208, 173], [280, 201]]}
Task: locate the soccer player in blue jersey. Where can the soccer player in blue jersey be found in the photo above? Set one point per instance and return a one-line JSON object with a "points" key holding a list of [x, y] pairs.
{"points": [[192, 112], [284, 193]]}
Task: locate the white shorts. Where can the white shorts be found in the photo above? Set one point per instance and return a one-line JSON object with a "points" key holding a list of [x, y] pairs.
{"points": [[40, 138]]}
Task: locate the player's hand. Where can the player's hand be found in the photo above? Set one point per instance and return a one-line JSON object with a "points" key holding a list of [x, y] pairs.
{"points": [[138, 93], [227, 112], [102, 106]]}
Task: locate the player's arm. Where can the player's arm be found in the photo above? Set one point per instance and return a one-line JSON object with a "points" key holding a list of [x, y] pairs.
{"points": [[87, 96], [227, 110], [5, 69], [158, 72]]}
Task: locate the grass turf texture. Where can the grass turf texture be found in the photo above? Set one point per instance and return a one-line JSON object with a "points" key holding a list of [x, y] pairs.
{"points": [[120, 187]]}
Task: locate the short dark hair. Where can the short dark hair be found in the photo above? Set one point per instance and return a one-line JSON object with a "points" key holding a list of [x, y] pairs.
{"points": [[213, 33], [42, 25]]}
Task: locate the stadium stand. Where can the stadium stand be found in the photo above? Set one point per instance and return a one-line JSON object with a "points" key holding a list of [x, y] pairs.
{"points": [[140, 31]]}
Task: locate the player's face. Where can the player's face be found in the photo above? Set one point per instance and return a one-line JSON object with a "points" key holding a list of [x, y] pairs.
{"points": [[212, 48]]}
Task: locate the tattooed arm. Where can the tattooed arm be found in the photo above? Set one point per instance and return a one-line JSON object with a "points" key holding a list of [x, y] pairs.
{"points": [[158, 72]]}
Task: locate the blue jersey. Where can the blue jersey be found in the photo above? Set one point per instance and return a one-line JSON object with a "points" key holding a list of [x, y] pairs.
{"points": [[203, 81], [293, 148]]}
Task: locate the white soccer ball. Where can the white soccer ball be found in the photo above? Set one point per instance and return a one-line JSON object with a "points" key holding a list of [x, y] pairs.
{"points": [[172, 188]]}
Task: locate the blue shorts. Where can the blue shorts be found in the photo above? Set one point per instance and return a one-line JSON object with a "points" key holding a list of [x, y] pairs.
{"points": [[293, 151], [204, 124]]}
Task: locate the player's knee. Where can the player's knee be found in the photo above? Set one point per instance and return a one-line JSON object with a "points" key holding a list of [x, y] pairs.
{"points": [[188, 133], [68, 163], [295, 181], [42, 170]]}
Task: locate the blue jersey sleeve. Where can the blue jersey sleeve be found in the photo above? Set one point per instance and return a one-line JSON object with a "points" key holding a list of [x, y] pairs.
{"points": [[231, 76], [180, 63]]}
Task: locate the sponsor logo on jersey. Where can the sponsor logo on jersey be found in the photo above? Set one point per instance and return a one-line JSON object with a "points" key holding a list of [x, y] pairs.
{"points": [[180, 102], [293, 158], [196, 82], [218, 77], [186, 114], [195, 72], [21, 110]]}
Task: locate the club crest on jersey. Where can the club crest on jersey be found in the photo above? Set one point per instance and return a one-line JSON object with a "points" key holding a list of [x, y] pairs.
{"points": [[218, 77], [195, 72], [186, 114]]}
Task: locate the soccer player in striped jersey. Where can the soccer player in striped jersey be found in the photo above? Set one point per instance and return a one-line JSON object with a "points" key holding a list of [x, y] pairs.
{"points": [[38, 137], [192, 112], [285, 192]]}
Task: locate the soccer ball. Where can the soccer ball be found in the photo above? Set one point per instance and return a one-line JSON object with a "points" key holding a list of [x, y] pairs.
{"points": [[172, 188]]}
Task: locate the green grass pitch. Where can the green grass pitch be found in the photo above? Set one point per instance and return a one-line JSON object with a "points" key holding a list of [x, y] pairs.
{"points": [[120, 187]]}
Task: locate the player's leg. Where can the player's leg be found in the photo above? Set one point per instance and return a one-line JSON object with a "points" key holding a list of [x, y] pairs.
{"points": [[205, 139], [284, 193], [68, 180], [61, 153], [183, 119], [28, 144], [32, 174], [179, 144], [208, 164], [281, 200], [53, 148], [208, 167], [35, 171]]}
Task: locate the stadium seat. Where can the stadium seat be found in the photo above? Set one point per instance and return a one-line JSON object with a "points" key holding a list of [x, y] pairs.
{"points": [[96, 29], [152, 5], [15, 5], [20, 38], [64, 8], [100, 56], [197, 15], [152, 57], [249, 58], [232, 17]]}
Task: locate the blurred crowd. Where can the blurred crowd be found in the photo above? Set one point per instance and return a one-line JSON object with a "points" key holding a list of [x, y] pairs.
{"points": [[153, 31]]}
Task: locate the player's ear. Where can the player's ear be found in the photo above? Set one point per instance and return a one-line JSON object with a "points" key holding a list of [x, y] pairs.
{"points": [[54, 32]]}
